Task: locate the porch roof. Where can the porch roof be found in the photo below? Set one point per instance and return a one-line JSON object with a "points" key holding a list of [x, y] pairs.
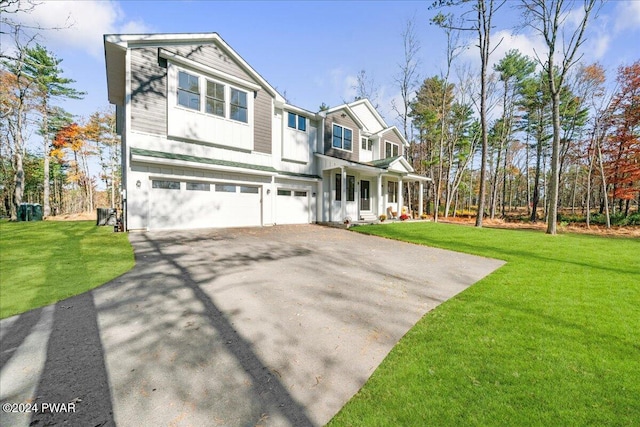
{"points": [[392, 165]]}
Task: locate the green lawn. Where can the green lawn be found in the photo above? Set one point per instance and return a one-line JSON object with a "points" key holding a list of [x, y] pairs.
{"points": [[44, 262], [551, 339]]}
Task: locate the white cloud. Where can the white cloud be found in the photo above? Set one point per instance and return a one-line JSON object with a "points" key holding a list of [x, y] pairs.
{"points": [[627, 16], [505, 40], [80, 24]]}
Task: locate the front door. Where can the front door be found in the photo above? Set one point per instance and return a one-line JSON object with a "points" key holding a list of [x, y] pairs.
{"points": [[365, 196]]}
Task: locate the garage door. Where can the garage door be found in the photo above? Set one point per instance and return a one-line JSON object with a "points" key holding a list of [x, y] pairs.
{"points": [[292, 206], [181, 205]]}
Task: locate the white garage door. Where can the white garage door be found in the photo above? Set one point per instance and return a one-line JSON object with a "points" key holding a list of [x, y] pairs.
{"points": [[180, 205], [292, 206]]}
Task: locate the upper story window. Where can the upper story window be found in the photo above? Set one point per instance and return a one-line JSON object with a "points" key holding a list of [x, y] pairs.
{"points": [[367, 144], [296, 121], [238, 105], [391, 149], [188, 90], [214, 101], [342, 137], [219, 99]]}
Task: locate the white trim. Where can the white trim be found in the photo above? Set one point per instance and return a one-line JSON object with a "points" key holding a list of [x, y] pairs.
{"points": [[386, 141], [206, 69], [306, 122], [372, 109], [141, 40], [196, 165], [343, 128]]}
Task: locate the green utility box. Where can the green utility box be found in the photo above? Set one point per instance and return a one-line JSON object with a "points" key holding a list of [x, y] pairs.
{"points": [[30, 212]]}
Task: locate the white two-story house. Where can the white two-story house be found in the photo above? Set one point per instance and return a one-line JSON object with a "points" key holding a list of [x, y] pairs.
{"points": [[208, 142]]}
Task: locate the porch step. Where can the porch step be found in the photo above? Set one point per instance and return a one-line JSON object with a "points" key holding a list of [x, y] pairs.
{"points": [[368, 216]]}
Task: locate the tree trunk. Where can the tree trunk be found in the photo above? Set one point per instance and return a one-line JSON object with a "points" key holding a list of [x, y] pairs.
{"points": [[46, 206]]}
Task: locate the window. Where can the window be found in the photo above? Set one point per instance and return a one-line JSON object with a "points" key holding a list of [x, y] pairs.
{"points": [[296, 121], [197, 186], [249, 190], [167, 185], [224, 188], [366, 144], [300, 193], [188, 90], [282, 192], [392, 191], [338, 188], [391, 149], [238, 105], [342, 137], [351, 188], [214, 101]]}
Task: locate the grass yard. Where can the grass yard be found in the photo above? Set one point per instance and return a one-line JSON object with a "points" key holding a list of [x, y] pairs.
{"points": [[551, 338], [44, 262]]}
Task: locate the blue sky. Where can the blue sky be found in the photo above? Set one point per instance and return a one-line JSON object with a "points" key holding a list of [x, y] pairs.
{"points": [[312, 50]]}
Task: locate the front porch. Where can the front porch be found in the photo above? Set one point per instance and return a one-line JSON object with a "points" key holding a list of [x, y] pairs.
{"points": [[356, 192]]}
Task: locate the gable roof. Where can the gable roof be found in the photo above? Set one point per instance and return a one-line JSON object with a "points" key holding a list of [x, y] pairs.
{"points": [[368, 118], [115, 46], [398, 164]]}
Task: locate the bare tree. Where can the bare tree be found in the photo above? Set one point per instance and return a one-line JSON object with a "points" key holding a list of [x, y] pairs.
{"points": [[478, 20], [366, 88], [548, 18], [407, 77]]}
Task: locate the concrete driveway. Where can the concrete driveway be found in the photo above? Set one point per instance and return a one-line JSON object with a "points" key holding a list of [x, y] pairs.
{"points": [[264, 326]]}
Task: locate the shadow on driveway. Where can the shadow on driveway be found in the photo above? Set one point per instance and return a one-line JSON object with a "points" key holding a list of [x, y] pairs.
{"points": [[268, 326]]}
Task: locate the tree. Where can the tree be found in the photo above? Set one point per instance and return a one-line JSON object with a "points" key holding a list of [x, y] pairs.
{"points": [[513, 69], [534, 102], [431, 111], [42, 67], [622, 148], [101, 129], [16, 102], [407, 77], [73, 138], [478, 20], [548, 18], [366, 88]]}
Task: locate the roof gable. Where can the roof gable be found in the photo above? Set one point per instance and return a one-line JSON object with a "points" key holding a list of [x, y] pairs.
{"points": [[116, 45]]}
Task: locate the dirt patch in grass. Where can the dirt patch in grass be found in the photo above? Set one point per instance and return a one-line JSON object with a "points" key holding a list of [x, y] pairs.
{"points": [[82, 216], [598, 230]]}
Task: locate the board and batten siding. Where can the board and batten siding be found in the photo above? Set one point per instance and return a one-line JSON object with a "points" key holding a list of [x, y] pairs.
{"points": [[148, 92], [391, 136], [346, 121]]}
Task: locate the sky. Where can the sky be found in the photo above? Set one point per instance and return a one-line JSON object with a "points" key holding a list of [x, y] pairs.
{"points": [[310, 50]]}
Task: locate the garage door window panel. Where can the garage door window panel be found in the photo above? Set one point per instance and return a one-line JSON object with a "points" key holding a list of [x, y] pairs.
{"points": [[249, 190], [166, 185], [197, 186], [225, 188]]}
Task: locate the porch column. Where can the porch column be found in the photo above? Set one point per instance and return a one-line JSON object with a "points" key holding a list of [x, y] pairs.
{"points": [[420, 196], [343, 194], [400, 201], [380, 194]]}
